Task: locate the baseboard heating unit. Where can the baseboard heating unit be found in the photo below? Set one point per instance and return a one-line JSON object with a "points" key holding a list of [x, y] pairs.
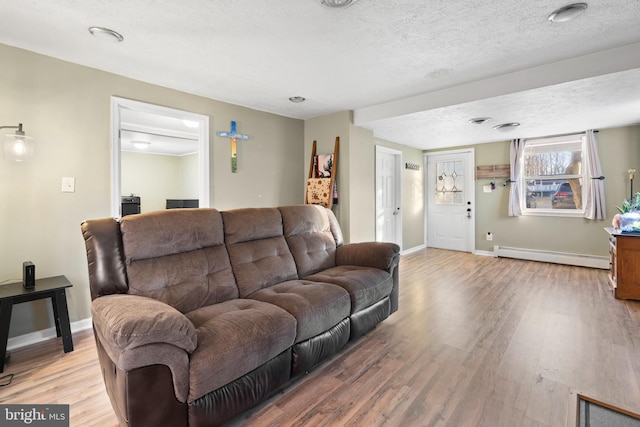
{"points": [[592, 261]]}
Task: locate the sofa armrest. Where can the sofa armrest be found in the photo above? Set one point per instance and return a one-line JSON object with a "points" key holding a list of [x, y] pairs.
{"points": [[125, 322], [384, 256]]}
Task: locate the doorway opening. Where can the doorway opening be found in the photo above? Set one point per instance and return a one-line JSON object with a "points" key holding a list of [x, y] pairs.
{"points": [[450, 199], [388, 195], [143, 138]]}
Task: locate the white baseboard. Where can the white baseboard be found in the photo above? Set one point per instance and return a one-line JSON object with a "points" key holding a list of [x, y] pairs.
{"points": [[45, 334], [412, 250], [579, 260], [485, 253]]}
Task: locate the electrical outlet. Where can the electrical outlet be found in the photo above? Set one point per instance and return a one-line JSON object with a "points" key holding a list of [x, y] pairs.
{"points": [[489, 236]]}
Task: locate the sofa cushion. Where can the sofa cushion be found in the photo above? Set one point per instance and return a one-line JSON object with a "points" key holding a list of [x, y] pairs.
{"points": [[257, 249], [160, 233], [234, 338], [308, 232], [178, 257], [365, 285], [316, 306]]}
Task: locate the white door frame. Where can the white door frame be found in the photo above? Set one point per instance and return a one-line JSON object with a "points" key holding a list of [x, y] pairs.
{"points": [[471, 195], [398, 189], [118, 104]]}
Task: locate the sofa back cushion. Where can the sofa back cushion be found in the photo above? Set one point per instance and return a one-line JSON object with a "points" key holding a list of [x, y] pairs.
{"points": [[309, 234], [178, 256], [257, 249]]}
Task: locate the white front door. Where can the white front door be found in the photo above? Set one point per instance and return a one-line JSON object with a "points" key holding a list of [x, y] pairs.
{"points": [[388, 218], [450, 200]]}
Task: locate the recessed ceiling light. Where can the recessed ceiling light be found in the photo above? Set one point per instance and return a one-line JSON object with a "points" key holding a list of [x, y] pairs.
{"points": [[506, 126], [337, 3], [568, 12], [297, 99], [106, 34], [480, 120], [141, 145]]}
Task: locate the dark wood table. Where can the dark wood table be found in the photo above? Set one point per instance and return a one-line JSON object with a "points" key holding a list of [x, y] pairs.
{"points": [[50, 287]]}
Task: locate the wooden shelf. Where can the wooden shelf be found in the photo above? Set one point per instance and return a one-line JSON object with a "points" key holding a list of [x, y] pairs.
{"points": [[493, 171]]}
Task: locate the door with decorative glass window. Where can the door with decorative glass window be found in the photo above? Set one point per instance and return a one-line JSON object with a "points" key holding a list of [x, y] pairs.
{"points": [[450, 200]]}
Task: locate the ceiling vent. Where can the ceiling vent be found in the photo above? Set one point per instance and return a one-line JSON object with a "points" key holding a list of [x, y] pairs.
{"points": [[568, 12], [337, 3], [504, 127]]}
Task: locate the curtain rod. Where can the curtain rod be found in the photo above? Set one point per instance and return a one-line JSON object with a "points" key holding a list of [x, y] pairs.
{"points": [[562, 134]]}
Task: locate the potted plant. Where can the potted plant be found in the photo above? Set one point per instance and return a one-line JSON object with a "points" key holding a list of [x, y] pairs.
{"points": [[628, 220]]}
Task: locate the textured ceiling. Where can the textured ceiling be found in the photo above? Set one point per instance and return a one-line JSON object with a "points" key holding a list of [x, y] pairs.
{"points": [[412, 71]]}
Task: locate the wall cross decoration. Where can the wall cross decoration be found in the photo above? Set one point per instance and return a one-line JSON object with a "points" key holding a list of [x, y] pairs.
{"points": [[233, 136]]}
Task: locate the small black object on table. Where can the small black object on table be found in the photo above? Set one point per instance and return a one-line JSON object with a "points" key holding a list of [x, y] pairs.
{"points": [[50, 287]]}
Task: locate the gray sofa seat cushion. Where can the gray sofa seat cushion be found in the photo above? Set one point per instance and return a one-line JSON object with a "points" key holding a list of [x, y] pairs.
{"points": [[178, 257], [365, 285], [234, 338], [316, 306]]}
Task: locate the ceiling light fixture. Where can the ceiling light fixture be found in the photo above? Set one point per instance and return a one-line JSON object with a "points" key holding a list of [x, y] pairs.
{"points": [[506, 126], [297, 99], [190, 123], [568, 12], [106, 34], [480, 120], [17, 147], [337, 3], [141, 145]]}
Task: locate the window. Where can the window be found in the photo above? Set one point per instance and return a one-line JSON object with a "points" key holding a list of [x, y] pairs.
{"points": [[553, 175], [450, 183]]}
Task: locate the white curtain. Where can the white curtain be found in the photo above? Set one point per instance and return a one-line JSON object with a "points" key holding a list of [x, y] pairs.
{"points": [[517, 147], [594, 207]]}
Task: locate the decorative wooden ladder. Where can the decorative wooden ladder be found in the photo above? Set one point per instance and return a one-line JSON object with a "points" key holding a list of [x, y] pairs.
{"points": [[319, 189]]}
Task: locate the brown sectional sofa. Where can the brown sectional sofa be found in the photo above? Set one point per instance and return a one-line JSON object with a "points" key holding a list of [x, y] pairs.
{"points": [[199, 314]]}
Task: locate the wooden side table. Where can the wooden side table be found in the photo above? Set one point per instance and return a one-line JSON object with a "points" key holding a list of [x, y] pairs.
{"points": [[50, 287], [624, 272]]}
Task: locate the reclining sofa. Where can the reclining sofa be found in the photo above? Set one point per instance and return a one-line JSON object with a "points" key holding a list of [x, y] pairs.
{"points": [[199, 315]]}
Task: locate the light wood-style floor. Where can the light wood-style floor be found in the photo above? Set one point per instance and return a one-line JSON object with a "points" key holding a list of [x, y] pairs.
{"points": [[478, 341]]}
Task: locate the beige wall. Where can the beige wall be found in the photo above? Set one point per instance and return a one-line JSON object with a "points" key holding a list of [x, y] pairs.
{"points": [[362, 199], [619, 151], [153, 177], [66, 107], [188, 177], [156, 178]]}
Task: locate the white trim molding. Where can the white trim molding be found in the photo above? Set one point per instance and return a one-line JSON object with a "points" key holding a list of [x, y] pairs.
{"points": [[413, 249], [45, 334], [578, 260]]}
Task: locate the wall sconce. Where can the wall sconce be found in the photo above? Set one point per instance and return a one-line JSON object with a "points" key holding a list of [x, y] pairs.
{"points": [[17, 147]]}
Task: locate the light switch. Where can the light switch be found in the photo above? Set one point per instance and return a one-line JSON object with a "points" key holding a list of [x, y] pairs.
{"points": [[68, 184]]}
